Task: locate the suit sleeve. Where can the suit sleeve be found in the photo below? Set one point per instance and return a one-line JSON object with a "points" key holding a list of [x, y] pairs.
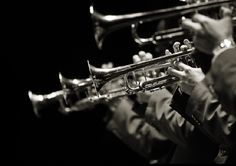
{"points": [[204, 108], [168, 121], [133, 130]]}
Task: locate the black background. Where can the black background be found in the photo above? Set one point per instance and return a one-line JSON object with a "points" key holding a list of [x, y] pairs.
{"points": [[58, 37]]}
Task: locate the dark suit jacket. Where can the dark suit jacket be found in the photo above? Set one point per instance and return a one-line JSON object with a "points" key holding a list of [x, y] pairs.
{"points": [[135, 132], [166, 119], [221, 82], [209, 116], [192, 145]]}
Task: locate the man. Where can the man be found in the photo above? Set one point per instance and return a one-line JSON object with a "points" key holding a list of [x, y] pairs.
{"points": [[215, 37], [190, 141], [126, 120]]}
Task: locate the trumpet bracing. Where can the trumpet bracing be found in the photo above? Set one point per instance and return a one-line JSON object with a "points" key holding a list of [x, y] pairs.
{"points": [[105, 24]]}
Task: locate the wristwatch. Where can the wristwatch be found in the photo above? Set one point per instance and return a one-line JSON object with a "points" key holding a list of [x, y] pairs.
{"points": [[224, 45], [227, 43]]}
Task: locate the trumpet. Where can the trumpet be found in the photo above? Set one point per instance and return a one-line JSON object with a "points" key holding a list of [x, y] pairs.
{"points": [[101, 77], [72, 91], [42, 102], [75, 95], [105, 24]]}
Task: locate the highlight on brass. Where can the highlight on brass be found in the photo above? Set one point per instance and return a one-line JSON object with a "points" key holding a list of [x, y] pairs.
{"points": [[105, 24], [41, 102]]}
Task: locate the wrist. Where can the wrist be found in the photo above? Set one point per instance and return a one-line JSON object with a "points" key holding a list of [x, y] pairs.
{"points": [[223, 46]]}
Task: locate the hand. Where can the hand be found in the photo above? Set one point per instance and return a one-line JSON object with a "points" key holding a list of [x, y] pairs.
{"points": [[143, 97], [209, 33], [188, 75], [140, 75]]}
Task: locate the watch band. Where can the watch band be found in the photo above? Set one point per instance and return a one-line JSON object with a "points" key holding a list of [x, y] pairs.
{"points": [[224, 45]]}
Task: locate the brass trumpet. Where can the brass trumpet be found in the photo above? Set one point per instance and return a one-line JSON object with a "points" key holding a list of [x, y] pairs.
{"points": [[105, 24], [101, 77], [76, 95], [72, 91]]}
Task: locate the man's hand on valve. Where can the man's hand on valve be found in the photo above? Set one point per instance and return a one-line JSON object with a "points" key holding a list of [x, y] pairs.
{"points": [[189, 76], [143, 97]]}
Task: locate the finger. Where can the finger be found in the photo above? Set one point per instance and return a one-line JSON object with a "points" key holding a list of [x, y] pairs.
{"points": [[141, 79], [153, 73], [167, 52], [142, 55], [104, 66], [225, 12], [192, 26], [162, 74], [187, 43], [202, 19], [183, 66], [176, 47], [148, 56], [183, 48], [177, 73], [110, 65], [136, 59]]}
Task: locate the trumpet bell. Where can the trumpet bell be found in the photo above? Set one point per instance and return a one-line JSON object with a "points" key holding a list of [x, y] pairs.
{"points": [[42, 103]]}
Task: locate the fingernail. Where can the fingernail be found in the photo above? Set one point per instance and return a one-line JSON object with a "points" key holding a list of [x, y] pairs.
{"points": [[167, 52], [141, 53], [136, 59], [176, 46]]}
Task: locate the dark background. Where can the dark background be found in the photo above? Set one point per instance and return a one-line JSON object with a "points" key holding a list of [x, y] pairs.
{"points": [[58, 37]]}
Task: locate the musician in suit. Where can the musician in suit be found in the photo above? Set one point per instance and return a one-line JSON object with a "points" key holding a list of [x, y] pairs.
{"points": [[215, 37], [204, 111], [183, 129], [125, 119], [129, 126], [190, 141]]}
